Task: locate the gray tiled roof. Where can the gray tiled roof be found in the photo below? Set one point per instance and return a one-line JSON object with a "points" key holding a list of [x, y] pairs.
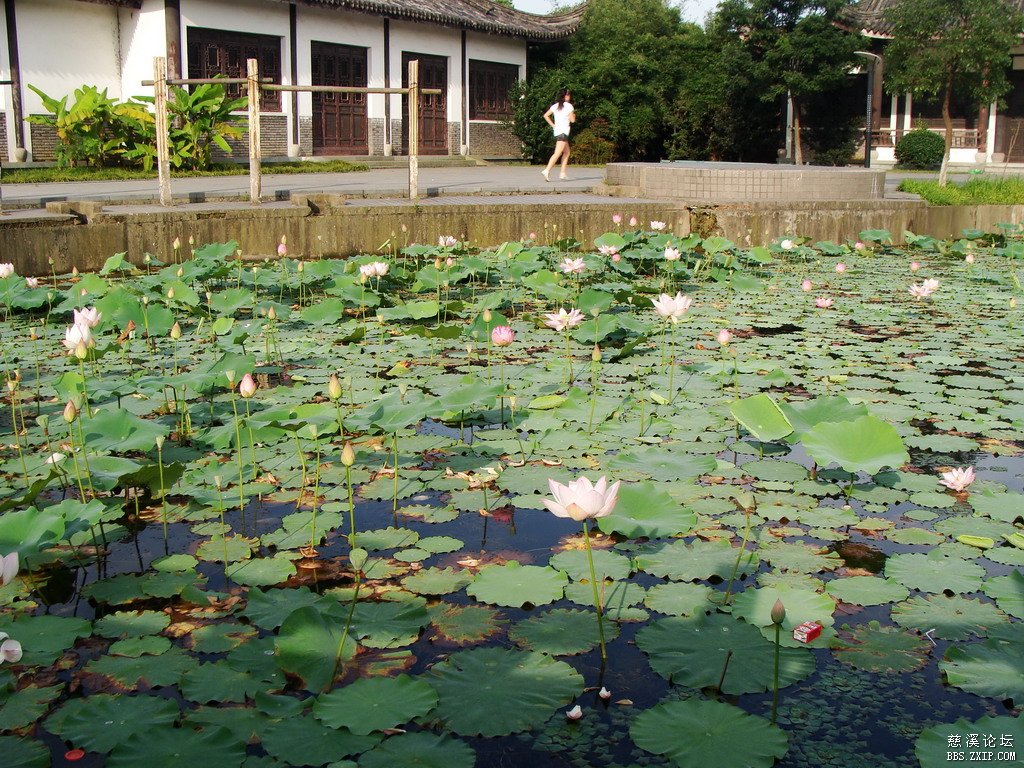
{"points": [[868, 16], [479, 15]]}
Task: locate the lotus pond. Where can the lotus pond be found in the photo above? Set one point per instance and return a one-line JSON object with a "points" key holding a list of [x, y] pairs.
{"points": [[293, 513]]}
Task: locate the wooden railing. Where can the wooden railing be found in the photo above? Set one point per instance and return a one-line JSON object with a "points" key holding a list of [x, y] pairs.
{"points": [[962, 137]]}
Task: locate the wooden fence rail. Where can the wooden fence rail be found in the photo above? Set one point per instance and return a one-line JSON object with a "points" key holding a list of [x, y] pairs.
{"points": [[254, 86]]}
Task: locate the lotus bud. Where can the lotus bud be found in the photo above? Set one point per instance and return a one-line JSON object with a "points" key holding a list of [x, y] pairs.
{"points": [[300, 267], [146, 259], [404, 228], [49, 260], [176, 331], [159, 440], [724, 337], [272, 313], [32, 334], [209, 297], [604, 694], [247, 388], [176, 245], [574, 714], [230, 375], [778, 613], [180, 272], [512, 402], [218, 482], [170, 293], [487, 315], [403, 388], [437, 263], [11, 385], [70, 412], [81, 351], [145, 301], [334, 387], [348, 455], [1013, 302], [595, 356], [191, 240], [74, 271], [282, 250], [284, 239], [8, 568]]}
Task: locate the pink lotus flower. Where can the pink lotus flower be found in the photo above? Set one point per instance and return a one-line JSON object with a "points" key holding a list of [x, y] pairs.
{"points": [[672, 254], [502, 335], [823, 302], [724, 337], [574, 714], [925, 289], [632, 221], [616, 257], [658, 226], [449, 262], [8, 568], [90, 316], [607, 250], [6, 269], [616, 218], [858, 246], [31, 282], [672, 308], [447, 241], [806, 285], [533, 235], [969, 258], [958, 479], [247, 387], [562, 320], [915, 265], [282, 250], [573, 266], [10, 650], [840, 268], [604, 694], [581, 500], [77, 334]]}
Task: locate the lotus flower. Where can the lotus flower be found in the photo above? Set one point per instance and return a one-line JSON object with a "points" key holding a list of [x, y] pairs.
{"points": [[806, 285], [823, 302], [247, 387], [90, 316], [502, 335], [658, 226], [924, 290], [958, 479], [581, 500], [840, 268], [604, 694], [8, 568], [915, 265], [334, 387], [724, 337], [6, 269], [10, 650], [616, 218], [786, 245], [632, 221], [447, 241], [672, 254], [672, 308], [75, 335], [969, 258], [55, 458], [573, 266], [380, 268], [31, 282], [282, 250], [859, 246], [607, 250], [563, 320], [574, 714]]}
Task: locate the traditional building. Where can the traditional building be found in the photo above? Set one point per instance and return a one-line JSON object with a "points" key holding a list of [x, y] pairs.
{"points": [[983, 135], [473, 50]]}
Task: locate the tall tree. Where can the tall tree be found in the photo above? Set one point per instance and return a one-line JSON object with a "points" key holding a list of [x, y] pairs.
{"points": [[794, 48], [942, 46]]}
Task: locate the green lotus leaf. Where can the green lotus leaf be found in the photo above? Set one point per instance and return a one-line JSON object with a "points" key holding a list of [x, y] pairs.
{"points": [[708, 733], [119, 430], [530, 687], [44, 638], [423, 750], [678, 599], [22, 708], [100, 722], [762, 417], [561, 632], [949, 618], [20, 752], [307, 646], [1008, 592], [689, 562], [645, 510], [993, 668], [516, 585], [806, 414], [465, 624], [934, 574], [660, 463], [880, 649], [864, 445], [375, 704], [866, 590]]}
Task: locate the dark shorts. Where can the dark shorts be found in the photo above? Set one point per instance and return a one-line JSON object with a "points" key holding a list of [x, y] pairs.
{"points": [[562, 137]]}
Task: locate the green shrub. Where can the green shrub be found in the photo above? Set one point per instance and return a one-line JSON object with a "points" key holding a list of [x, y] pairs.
{"points": [[974, 192], [920, 148], [592, 145], [834, 156]]}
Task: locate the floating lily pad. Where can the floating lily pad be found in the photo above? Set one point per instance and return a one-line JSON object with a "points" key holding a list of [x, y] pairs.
{"points": [[423, 750], [530, 686], [464, 624], [302, 741], [994, 668], [678, 599], [867, 590], [876, 648], [375, 704], [516, 585], [100, 722], [561, 632], [1008, 592], [708, 733], [607, 565], [950, 618], [934, 574], [437, 581], [645, 510], [688, 562]]}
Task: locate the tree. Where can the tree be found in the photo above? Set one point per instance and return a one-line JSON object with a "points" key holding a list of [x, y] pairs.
{"points": [[944, 46], [793, 47]]}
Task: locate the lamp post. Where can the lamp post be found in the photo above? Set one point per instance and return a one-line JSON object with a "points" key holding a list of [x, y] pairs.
{"points": [[875, 60]]}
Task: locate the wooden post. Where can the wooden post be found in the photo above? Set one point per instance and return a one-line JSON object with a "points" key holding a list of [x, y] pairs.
{"points": [[253, 86], [163, 153], [414, 128]]}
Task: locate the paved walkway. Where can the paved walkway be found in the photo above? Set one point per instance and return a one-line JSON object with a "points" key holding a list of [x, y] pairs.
{"points": [[375, 183]]}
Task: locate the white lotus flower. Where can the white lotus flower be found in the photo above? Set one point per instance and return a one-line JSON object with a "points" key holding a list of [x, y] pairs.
{"points": [[957, 479], [77, 334], [6, 269], [10, 650], [90, 316], [8, 568], [563, 320], [573, 266], [672, 308], [581, 499]]}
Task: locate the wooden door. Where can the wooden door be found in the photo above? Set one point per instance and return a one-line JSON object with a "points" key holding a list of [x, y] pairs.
{"points": [[339, 119], [433, 120]]}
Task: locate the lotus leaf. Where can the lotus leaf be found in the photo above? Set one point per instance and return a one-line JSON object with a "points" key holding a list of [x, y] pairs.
{"points": [[864, 445], [516, 585], [880, 649], [994, 668], [560, 632], [950, 618], [375, 704], [423, 750]]}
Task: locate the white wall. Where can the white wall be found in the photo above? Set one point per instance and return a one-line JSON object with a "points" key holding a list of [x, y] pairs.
{"points": [[5, 90], [65, 44], [143, 36], [436, 41], [342, 28]]}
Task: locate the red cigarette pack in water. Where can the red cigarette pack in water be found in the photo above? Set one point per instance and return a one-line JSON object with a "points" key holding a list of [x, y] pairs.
{"points": [[807, 632]]}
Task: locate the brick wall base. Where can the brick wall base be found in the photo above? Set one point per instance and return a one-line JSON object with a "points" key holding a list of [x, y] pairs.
{"points": [[273, 140], [454, 138], [3, 137], [375, 127], [494, 140], [44, 142], [306, 136]]}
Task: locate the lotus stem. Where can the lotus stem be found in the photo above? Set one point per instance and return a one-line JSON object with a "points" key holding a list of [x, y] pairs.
{"points": [[597, 598], [775, 680], [85, 389], [739, 557], [316, 492], [223, 525], [238, 452], [17, 435], [88, 469], [594, 380], [351, 509], [344, 634], [74, 456], [394, 448], [252, 444], [568, 358], [163, 490], [672, 365]]}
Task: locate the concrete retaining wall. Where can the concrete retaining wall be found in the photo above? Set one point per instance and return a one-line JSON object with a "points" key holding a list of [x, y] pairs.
{"points": [[83, 235]]}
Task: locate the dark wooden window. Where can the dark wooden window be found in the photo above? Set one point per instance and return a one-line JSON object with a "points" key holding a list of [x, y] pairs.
{"points": [[489, 86], [213, 52]]}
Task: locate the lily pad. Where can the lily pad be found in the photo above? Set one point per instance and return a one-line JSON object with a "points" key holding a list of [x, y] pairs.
{"points": [[950, 618], [934, 574], [561, 632], [375, 704], [516, 585], [421, 750], [876, 648], [645, 510], [993, 668]]}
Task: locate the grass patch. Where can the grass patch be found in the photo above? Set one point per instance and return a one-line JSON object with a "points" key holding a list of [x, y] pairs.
{"points": [[46, 175], [973, 192]]}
